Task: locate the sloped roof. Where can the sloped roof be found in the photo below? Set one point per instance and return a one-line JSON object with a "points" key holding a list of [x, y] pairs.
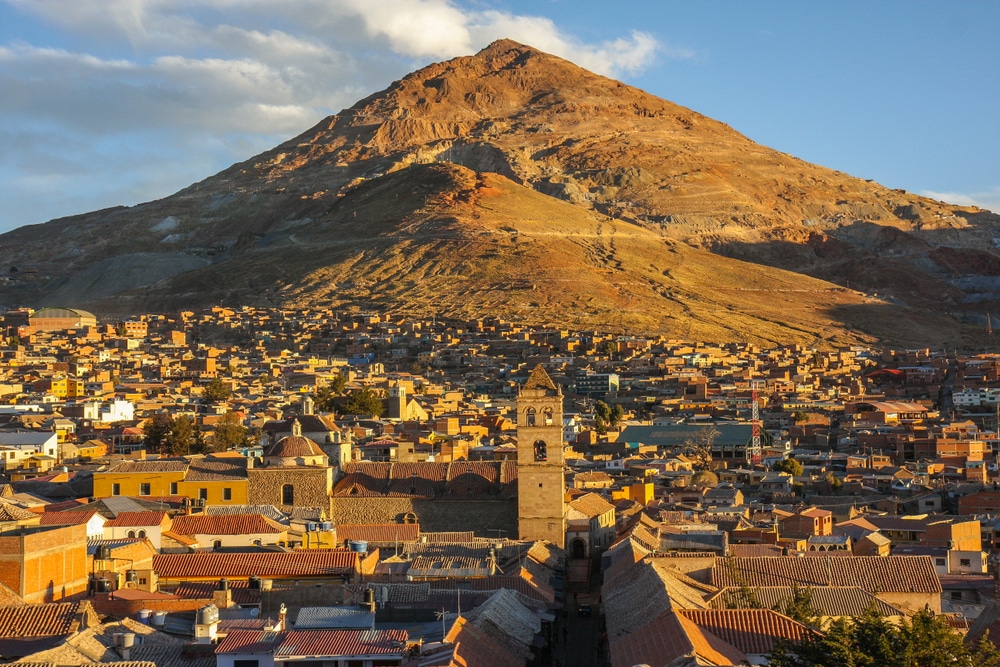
{"points": [[39, 620], [875, 574], [297, 643], [644, 591], [667, 637], [231, 524], [291, 564], [539, 379], [474, 648], [752, 631], [504, 618], [379, 533], [136, 519], [592, 504], [827, 600]]}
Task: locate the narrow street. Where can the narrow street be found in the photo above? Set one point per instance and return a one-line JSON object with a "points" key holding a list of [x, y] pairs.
{"points": [[579, 639]]}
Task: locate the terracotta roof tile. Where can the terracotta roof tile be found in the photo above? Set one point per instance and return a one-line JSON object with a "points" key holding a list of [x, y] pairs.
{"points": [[226, 524], [380, 533], [749, 630], [38, 620], [670, 636], [136, 519], [298, 643], [265, 565], [875, 574], [592, 504], [66, 518]]}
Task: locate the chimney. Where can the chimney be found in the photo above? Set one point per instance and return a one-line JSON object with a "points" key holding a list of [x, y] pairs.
{"points": [[222, 597], [282, 616]]}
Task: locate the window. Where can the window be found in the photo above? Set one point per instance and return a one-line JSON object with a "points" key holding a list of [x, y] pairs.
{"points": [[541, 451], [203, 494], [131, 533], [217, 544], [287, 494], [939, 561], [246, 663], [173, 488], [956, 595], [965, 562], [529, 417], [116, 489], [144, 489], [142, 533], [142, 581], [227, 493]]}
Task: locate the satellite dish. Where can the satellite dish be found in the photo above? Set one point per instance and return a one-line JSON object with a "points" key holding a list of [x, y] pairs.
{"points": [[254, 612]]}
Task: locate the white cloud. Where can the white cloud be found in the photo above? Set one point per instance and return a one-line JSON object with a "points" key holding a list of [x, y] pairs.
{"points": [[988, 199], [221, 78]]}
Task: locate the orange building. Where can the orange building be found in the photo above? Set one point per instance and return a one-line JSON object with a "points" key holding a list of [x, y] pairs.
{"points": [[45, 563]]}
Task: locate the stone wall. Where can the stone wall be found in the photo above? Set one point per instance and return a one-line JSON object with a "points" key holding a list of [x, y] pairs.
{"points": [[312, 485], [484, 517]]}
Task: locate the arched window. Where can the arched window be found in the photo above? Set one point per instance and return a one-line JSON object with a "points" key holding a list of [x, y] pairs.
{"points": [[131, 533], [529, 417], [541, 451], [287, 494], [142, 533], [217, 544], [409, 517]]}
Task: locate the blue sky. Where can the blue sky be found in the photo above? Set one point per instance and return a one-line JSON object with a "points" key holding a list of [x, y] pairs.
{"points": [[111, 102]]}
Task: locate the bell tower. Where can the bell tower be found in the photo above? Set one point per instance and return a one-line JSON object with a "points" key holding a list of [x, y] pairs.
{"points": [[541, 483]]}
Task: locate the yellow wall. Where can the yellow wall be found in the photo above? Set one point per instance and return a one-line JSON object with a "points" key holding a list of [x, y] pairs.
{"points": [[159, 485], [640, 491]]}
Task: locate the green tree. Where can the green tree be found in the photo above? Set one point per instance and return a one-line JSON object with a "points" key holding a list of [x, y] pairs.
{"points": [[364, 402], [327, 395], [791, 466], [617, 414], [230, 433], [181, 438], [799, 416], [154, 432], [799, 606], [925, 640], [602, 411], [217, 391]]}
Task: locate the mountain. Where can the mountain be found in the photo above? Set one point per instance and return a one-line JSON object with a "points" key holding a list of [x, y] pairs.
{"points": [[515, 183]]}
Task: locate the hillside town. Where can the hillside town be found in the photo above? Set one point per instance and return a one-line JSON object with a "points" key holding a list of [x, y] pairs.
{"points": [[250, 487]]}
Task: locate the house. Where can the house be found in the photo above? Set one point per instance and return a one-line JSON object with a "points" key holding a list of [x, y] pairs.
{"points": [[142, 525], [45, 563], [231, 530], [263, 648], [92, 519], [805, 523], [590, 525]]}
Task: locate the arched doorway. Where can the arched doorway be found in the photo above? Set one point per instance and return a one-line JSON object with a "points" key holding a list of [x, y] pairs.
{"points": [[579, 548]]}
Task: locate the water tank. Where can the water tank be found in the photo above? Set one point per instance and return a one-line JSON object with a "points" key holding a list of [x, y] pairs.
{"points": [[118, 638], [369, 596], [128, 639], [102, 585], [208, 614], [143, 616], [159, 618], [327, 525], [312, 526], [104, 552], [131, 576], [254, 583], [223, 584], [360, 546], [265, 584]]}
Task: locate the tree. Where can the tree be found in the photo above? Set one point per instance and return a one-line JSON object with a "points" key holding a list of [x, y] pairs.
{"points": [[326, 396], [925, 640], [602, 411], [217, 391], [364, 402], [230, 433], [705, 478], [699, 447], [799, 606], [617, 414], [799, 416], [180, 438], [154, 432], [791, 466]]}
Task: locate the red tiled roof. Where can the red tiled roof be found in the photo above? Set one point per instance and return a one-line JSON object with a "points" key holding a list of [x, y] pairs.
{"points": [[66, 518], [299, 643], [379, 532], [38, 620], [749, 630], [136, 519], [226, 524], [333, 562], [475, 648], [248, 642], [668, 637], [875, 574]]}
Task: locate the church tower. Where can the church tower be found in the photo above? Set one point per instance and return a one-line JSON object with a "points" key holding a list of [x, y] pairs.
{"points": [[541, 483]]}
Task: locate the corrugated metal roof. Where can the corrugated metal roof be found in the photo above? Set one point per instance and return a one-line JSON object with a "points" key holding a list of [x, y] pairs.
{"points": [[336, 618]]}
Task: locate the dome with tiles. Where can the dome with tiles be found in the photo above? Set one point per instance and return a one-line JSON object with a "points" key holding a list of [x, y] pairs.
{"points": [[295, 449]]}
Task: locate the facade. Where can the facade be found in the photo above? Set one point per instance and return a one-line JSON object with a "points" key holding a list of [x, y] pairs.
{"points": [[541, 484], [45, 563]]}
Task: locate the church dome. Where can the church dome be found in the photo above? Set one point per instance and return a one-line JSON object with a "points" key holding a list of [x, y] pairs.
{"points": [[293, 446]]}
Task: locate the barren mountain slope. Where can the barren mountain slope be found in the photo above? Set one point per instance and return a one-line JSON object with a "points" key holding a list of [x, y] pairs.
{"points": [[602, 149]]}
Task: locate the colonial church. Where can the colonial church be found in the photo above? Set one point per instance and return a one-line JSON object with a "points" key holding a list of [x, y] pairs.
{"points": [[522, 499]]}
